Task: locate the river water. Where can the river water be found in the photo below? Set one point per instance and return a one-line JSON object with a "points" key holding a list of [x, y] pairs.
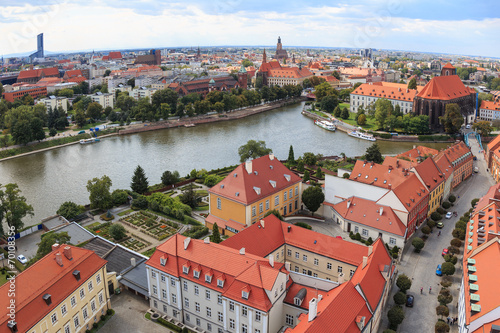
{"points": [[48, 179]]}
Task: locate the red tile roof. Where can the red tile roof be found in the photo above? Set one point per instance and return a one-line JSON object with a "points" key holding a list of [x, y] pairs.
{"points": [[401, 93], [445, 88], [73, 73], [457, 151], [244, 187], [379, 175], [411, 192], [430, 174], [115, 55], [221, 223], [289, 72], [419, 152], [490, 105], [38, 73], [47, 277], [444, 165], [77, 79], [449, 66]]}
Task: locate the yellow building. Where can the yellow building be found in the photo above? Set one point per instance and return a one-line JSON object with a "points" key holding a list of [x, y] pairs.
{"points": [[64, 292], [431, 176], [252, 189]]}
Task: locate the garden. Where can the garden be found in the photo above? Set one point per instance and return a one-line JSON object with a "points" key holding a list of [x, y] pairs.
{"points": [[151, 225], [131, 241]]}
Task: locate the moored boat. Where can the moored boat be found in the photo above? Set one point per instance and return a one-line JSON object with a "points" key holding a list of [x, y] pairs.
{"points": [[361, 135], [329, 126], [86, 141]]}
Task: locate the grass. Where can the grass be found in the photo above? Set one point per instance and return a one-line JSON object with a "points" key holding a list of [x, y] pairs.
{"points": [[203, 193], [345, 105], [149, 253], [3, 279], [201, 208], [370, 122], [125, 212], [320, 113], [86, 127]]}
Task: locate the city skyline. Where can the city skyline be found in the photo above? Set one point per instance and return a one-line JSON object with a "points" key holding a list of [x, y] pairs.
{"points": [[452, 28]]}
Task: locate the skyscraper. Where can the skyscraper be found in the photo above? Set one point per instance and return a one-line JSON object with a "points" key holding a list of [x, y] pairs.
{"points": [[39, 51]]}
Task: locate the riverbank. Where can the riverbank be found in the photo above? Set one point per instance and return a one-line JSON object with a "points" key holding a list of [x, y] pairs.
{"points": [[205, 119]]}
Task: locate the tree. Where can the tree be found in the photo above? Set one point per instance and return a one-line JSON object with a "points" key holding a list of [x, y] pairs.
{"points": [[322, 90], [458, 233], [49, 239], [13, 207], [190, 197], [329, 103], [418, 244], [300, 165], [445, 296], [412, 84], [253, 149], [307, 176], [80, 118], [399, 298], [52, 132], [139, 182], [119, 197], [448, 268], [274, 212], [215, 238], [310, 158], [426, 230], [404, 283], [452, 119], [383, 109], [140, 202], [70, 210], [442, 310], [337, 113], [345, 114], [456, 242], [212, 180], [168, 96], [483, 127], [117, 231], [37, 130], [395, 316], [94, 111], [361, 120], [291, 157], [170, 178], [373, 154], [319, 173], [441, 327], [99, 189], [313, 197]]}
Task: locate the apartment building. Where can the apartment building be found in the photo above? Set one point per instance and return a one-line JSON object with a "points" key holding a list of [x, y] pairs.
{"points": [[461, 159], [252, 189], [53, 102], [489, 110], [142, 92], [104, 100], [66, 291]]}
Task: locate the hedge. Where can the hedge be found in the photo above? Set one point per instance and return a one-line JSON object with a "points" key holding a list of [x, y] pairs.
{"points": [[168, 324], [303, 225]]}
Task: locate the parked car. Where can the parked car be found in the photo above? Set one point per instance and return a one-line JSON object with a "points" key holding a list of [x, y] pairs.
{"points": [[476, 169], [440, 225], [409, 301], [468, 126], [339, 237], [449, 215], [438, 271], [445, 252], [22, 259]]}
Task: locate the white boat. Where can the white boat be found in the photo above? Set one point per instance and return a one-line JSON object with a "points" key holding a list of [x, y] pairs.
{"points": [[326, 125], [361, 135], [86, 141]]}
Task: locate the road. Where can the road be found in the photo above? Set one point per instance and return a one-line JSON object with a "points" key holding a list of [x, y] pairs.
{"points": [[420, 267]]}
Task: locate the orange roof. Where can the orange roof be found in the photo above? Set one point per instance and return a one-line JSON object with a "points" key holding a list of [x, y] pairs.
{"points": [[411, 192], [115, 55], [292, 72], [379, 175], [430, 174], [262, 241], [493, 144], [445, 88], [310, 294], [449, 66], [396, 162], [53, 71], [267, 176], [369, 213], [221, 223], [330, 78], [247, 271], [420, 151], [47, 277], [77, 79], [399, 93], [490, 105], [73, 73], [444, 165], [458, 151]]}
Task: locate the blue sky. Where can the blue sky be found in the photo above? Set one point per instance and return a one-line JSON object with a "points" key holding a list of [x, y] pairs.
{"points": [[460, 27]]}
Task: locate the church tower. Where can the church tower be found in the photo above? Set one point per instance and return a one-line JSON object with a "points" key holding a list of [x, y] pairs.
{"points": [[279, 46], [243, 77], [264, 58]]}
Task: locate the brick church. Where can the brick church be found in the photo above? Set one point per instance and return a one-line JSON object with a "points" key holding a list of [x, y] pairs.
{"points": [[443, 90]]}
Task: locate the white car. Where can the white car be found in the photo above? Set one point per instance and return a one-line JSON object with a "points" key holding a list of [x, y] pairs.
{"points": [[449, 215], [468, 126], [22, 259]]}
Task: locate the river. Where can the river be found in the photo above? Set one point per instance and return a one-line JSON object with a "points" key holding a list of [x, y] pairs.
{"points": [[48, 179]]}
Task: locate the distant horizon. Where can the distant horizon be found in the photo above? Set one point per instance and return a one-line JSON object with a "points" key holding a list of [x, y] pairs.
{"points": [[424, 26]]}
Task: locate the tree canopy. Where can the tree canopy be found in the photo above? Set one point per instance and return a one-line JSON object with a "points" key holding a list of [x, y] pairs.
{"points": [[49, 239], [99, 190], [253, 149], [313, 197], [373, 154], [70, 210], [13, 207], [139, 182], [452, 119]]}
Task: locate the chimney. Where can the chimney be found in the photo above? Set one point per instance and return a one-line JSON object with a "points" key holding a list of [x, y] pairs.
{"points": [[248, 166], [186, 242], [390, 167], [55, 247], [289, 228], [271, 156], [287, 266], [381, 210], [47, 298], [348, 204], [271, 260], [132, 262], [365, 261], [67, 253], [313, 309], [242, 251], [262, 223], [59, 259], [206, 240], [389, 187], [370, 250], [341, 278]]}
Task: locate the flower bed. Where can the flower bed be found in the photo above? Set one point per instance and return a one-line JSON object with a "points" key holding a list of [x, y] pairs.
{"points": [[151, 225]]}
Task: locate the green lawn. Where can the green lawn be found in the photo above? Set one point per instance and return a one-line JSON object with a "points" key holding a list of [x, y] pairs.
{"points": [[201, 208], [320, 113], [86, 127], [345, 105], [3, 279], [125, 212], [370, 122]]}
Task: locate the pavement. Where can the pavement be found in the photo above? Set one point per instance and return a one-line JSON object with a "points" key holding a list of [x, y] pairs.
{"points": [[129, 316], [28, 245], [421, 267]]}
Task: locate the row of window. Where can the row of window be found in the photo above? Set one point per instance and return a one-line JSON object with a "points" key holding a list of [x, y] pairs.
{"points": [[76, 318]]}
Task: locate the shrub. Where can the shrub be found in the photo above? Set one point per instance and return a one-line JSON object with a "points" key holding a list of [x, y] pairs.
{"points": [[441, 211], [446, 281], [418, 244], [140, 202], [168, 324], [94, 325], [453, 250], [474, 202], [462, 225], [303, 225], [403, 282], [446, 205], [395, 316], [458, 234], [445, 299], [399, 298], [442, 310], [357, 236], [196, 232], [117, 231], [426, 230], [452, 198], [119, 197], [456, 242], [441, 327], [351, 235], [109, 312], [436, 216], [431, 224], [345, 175], [448, 268], [369, 241]]}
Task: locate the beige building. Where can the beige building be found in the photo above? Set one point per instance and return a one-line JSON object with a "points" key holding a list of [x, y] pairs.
{"points": [[54, 102], [142, 93], [104, 100], [64, 292]]}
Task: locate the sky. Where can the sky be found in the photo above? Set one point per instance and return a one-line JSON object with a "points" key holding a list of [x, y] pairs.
{"points": [[440, 26]]}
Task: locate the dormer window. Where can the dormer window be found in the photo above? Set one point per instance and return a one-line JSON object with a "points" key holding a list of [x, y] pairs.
{"points": [[287, 177], [244, 294], [221, 185], [163, 261], [185, 269], [220, 283], [273, 183], [208, 277], [196, 274], [257, 190]]}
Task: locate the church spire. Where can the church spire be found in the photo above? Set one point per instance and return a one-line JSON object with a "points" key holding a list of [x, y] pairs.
{"points": [[264, 58]]}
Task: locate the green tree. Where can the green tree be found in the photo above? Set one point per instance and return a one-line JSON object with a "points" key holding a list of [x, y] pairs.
{"points": [[119, 197], [361, 120], [80, 118], [99, 190], [441, 327], [399, 298], [329, 103], [337, 113], [307, 176], [445, 296], [190, 197], [49, 239], [448, 268], [319, 173], [168, 96], [452, 119], [345, 114], [300, 165], [483, 127], [70, 210], [37, 131], [139, 182], [403, 282], [373, 154], [212, 180], [215, 238], [253, 149], [274, 212], [94, 111], [412, 84], [442, 310], [117, 231], [291, 156], [313, 197], [395, 316], [13, 207], [383, 109], [322, 90], [418, 244], [310, 158], [170, 178]]}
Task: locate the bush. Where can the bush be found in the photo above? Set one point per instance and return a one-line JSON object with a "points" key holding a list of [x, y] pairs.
{"points": [[357, 236], [441, 327], [426, 230], [446, 281], [395, 316], [450, 258], [442, 310], [399, 298], [119, 197], [456, 242], [431, 224], [117, 231], [196, 232], [140, 202], [109, 312], [448, 268], [441, 211], [436, 216], [404, 283], [452, 198], [461, 225], [474, 202], [458, 234], [345, 175], [453, 250], [418, 244], [168, 324], [303, 225], [369, 241], [446, 205]]}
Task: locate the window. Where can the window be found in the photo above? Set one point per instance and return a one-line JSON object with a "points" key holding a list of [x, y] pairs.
{"points": [[261, 207], [365, 232], [244, 328], [220, 330], [67, 329], [244, 311], [290, 193], [220, 283], [351, 273], [328, 265], [284, 196], [92, 306], [209, 312], [197, 307], [209, 327], [196, 290], [220, 317], [174, 298], [231, 306], [276, 200], [153, 274], [82, 293], [219, 299], [163, 278], [196, 274], [84, 313], [186, 302], [207, 294], [296, 190], [316, 262], [277, 256], [101, 300], [219, 203], [155, 290], [257, 331], [297, 269], [297, 256], [90, 286], [304, 257], [289, 319], [254, 212], [174, 313], [155, 304], [315, 275], [172, 282], [208, 278], [76, 321], [53, 318], [185, 286], [392, 240], [188, 317], [257, 315], [289, 252], [339, 269], [98, 278], [356, 230], [267, 204], [231, 324], [64, 310], [198, 322], [244, 294], [304, 271]]}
